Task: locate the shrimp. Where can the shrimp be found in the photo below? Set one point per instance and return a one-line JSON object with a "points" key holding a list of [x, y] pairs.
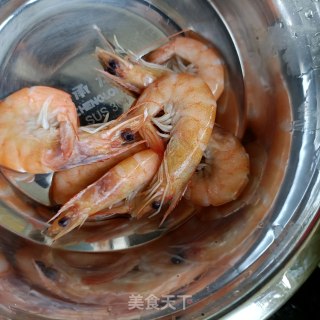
{"points": [[205, 61], [137, 74], [119, 183], [36, 123], [39, 133], [223, 173], [67, 183], [189, 114]]}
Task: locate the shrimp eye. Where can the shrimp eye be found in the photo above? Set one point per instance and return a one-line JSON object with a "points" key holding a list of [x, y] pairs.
{"points": [[128, 136], [156, 205], [112, 67], [177, 260], [63, 222]]}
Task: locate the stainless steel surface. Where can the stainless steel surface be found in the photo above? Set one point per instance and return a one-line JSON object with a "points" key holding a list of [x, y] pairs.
{"points": [[266, 300], [253, 259], [37, 187]]}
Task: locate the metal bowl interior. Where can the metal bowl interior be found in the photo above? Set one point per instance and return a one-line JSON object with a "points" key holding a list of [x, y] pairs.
{"points": [[216, 260]]}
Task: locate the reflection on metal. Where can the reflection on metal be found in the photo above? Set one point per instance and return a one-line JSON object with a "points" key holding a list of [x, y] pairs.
{"points": [[284, 284], [38, 189]]}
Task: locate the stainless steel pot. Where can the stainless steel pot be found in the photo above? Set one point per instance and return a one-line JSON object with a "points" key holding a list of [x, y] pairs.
{"points": [[239, 261]]}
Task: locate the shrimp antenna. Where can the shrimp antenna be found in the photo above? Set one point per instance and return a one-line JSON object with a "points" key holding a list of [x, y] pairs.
{"points": [[165, 173], [160, 42], [173, 204], [106, 43]]}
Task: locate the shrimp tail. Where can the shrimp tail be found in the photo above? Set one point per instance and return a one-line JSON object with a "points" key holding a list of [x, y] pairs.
{"points": [[174, 202], [154, 192]]}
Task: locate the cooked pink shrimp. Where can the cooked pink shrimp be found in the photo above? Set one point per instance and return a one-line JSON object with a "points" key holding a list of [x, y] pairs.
{"points": [[223, 173], [189, 113], [67, 183], [119, 183], [36, 124], [136, 74], [39, 133], [205, 61]]}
